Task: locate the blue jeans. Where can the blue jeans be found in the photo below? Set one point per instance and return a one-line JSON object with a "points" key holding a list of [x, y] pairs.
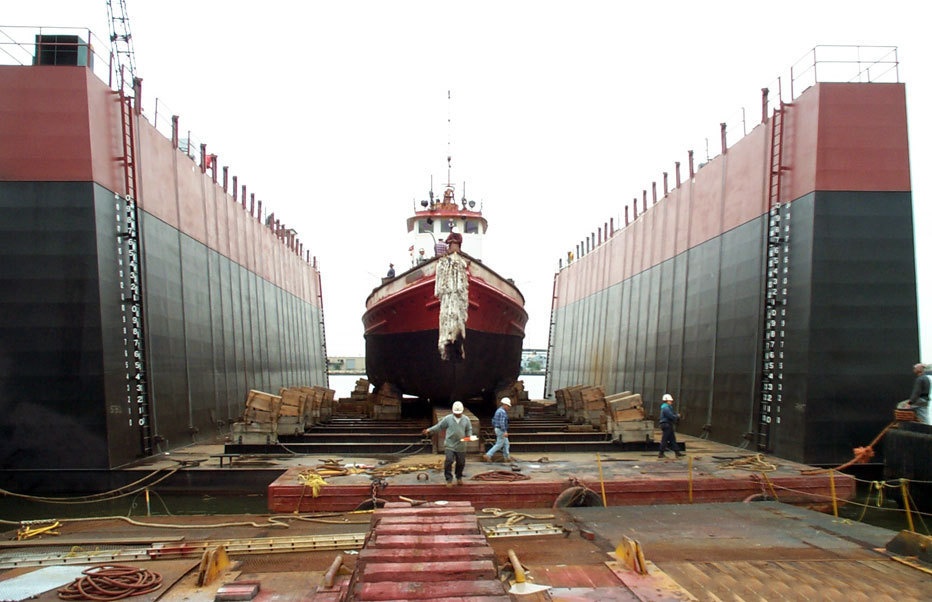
{"points": [[501, 443], [668, 438], [450, 457]]}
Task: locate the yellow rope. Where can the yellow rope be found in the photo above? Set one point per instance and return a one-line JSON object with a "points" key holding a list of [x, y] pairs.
{"points": [[773, 492], [755, 463], [312, 480], [513, 517]]}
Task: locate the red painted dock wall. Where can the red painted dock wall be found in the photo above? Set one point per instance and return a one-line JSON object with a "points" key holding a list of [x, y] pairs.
{"points": [[674, 301]]}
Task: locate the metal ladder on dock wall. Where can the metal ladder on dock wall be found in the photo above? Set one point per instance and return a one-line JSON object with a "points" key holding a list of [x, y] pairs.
{"points": [[775, 289], [130, 282]]}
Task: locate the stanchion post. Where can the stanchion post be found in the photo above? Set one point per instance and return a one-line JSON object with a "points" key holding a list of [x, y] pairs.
{"points": [[690, 462], [601, 480], [904, 491]]}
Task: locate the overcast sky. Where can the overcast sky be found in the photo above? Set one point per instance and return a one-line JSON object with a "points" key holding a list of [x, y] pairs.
{"points": [[335, 113]]}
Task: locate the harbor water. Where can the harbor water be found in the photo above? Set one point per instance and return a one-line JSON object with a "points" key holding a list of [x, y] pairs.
{"points": [[344, 384]]}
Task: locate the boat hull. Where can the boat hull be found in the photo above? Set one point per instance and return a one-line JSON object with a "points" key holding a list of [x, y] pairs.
{"points": [[402, 334], [492, 363]]}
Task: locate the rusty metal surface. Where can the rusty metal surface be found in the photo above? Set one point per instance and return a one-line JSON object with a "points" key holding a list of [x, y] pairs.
{"points": [[725, 551]]}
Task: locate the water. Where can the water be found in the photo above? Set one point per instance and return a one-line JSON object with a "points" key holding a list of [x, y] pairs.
{"points": [[135, 505], [344, 384]]}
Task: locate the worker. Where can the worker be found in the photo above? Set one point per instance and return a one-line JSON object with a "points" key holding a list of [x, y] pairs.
{"points": [[458, 432], [668, 420], [454, 241], [919, 399], [500, 424], [421, 258], [391, 271]]}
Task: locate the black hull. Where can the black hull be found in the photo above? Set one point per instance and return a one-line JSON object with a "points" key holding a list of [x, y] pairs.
{"points": [[411, 363], [213, 330], [692, 325], [906, 453]]}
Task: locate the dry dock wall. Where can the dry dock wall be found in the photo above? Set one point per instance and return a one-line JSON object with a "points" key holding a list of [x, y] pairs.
{"points": [[675, 301], [227, 305]]}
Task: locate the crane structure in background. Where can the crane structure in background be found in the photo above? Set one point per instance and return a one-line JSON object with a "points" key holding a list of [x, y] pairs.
{"points": [[121, 42]]}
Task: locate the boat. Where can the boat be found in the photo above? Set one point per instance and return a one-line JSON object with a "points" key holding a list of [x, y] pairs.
{"points": [[144, 294], [771, 289], [449, 327]]}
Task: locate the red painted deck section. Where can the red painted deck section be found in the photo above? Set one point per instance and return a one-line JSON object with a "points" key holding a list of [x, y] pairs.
{"points": [[422, 564], [626, 483]]}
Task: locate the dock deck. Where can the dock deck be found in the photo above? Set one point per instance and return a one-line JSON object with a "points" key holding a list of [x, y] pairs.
{"points": [[727, 551], [708, 472]]}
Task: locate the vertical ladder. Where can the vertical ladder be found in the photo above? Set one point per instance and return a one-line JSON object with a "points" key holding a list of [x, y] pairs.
{"points": [[130, 279], [548, 371], [775, 291], [323, 329]]}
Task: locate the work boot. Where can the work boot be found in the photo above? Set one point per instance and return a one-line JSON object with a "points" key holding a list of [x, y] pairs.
{"points": [[486, 458], [660, 455], [459, 481], [680, 454], [449, 483]]}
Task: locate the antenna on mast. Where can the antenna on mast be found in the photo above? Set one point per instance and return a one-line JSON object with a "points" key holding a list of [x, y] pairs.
{"points": [[449, 135]]}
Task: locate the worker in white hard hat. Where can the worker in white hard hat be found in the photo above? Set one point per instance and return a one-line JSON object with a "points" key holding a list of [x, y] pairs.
{"points": [[668, 420], [458, 432], [500, 424]]}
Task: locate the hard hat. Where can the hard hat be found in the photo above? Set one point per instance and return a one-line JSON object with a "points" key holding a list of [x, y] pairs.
{"points": [[457, 407], [506, 401], [667, 397]]}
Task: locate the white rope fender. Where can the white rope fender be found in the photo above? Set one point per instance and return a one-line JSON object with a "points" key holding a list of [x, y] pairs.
{"points": [[451, 286]]}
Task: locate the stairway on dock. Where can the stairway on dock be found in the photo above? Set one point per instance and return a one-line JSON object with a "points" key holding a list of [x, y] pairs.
{"points": [[544, 430], [539, 430], [426, 553]]}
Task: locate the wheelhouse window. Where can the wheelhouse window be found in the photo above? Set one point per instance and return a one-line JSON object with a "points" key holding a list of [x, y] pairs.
{"points": [[424, 227], [471, 227], [446, 226]]}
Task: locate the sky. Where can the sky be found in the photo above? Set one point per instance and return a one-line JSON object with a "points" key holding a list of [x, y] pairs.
{"points": [[336, 114]]}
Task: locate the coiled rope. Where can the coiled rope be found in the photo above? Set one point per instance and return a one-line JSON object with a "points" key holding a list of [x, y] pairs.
{"points": [[755, 463], [511, 517], [111, 582], [501, 475]]}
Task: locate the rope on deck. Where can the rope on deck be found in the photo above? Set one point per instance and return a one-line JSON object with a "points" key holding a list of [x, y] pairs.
{"points": [[111, 582]]}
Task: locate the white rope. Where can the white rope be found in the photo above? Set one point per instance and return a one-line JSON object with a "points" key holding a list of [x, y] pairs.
{"points": [[451, 286]]}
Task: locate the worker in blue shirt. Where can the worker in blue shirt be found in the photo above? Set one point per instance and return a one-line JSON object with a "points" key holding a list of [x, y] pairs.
{"points": [[668, 420], [500, 423]]}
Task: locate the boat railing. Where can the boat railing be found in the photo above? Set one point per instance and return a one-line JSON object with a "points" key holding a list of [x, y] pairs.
{"points": [[23, 45], [820, 64], [34, 45]]}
